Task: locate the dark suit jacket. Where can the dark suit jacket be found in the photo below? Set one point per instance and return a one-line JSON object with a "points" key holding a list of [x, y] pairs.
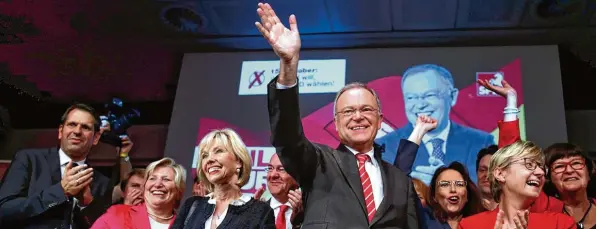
{"points": [[254, 214], [463, 144], [329, 178], [31, 195]]}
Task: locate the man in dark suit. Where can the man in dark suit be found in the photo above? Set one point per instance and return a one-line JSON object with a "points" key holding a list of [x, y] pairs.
{"points": [[54, 188], [346, 187], [286, 197], [429, 90]]}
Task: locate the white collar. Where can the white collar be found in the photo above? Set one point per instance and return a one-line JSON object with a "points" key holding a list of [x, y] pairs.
{"points": [[274, 203], [64, 159], [442, 135], [370, 153], [238, 202]]}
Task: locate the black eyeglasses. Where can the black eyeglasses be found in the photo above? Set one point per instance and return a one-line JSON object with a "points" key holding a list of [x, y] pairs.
{"points": [[449, 183], [530, 164], [575, 164]]}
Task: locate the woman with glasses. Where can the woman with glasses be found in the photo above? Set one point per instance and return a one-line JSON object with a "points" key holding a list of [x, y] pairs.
{"points": [[452, 196], [569, 174], [516, 176]]}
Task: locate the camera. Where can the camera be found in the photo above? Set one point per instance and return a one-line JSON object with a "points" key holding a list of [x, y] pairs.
{"points": [[120, 118]]}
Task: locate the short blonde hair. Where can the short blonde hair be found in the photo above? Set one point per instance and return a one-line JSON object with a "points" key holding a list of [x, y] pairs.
{"points": [[233, 143], [504, 156], [180, 175]]}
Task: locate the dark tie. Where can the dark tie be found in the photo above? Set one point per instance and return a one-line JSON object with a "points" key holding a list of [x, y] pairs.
{"points": [[71, 210], [281, 219], [438, 152], [366, 183]]}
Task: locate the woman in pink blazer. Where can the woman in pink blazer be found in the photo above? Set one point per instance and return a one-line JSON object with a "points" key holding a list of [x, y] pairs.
{"points": [[164, 188]]}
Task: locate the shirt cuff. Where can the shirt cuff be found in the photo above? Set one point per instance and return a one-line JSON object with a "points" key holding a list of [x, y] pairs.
{"points": [[282, 86]]}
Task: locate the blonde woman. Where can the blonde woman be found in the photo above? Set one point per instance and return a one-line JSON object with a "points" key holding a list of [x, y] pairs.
{"points": [[163, 190], [516, 177], [224, 167]]}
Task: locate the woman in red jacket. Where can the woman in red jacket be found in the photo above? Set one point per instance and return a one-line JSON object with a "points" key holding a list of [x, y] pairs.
{"points": [[163, 190], [516, 176], [509, 132]]}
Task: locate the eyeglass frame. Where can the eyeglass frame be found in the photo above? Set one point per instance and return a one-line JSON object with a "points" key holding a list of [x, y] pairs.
{"points": [[271, 168], [452, 183], [349, 112], [543, 167], [583, 165]]}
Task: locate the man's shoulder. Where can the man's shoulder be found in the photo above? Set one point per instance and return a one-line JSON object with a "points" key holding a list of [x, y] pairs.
{"points": [[34, 153]]}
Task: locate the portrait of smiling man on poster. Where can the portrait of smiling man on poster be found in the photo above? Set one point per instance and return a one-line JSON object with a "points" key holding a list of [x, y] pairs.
{"points": [[428, 89]]}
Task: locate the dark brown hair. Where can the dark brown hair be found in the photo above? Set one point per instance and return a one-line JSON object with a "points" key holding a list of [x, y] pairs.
{"points": [[558, 151], [82, 107], [473, 203]]}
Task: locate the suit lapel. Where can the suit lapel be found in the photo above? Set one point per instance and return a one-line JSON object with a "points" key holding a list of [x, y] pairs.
{"points": [[140, 217], [348, 166], [387, 182], [54, 164]]}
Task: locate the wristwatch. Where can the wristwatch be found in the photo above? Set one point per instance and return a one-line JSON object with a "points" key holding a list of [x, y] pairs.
{"points": [[125, 158]]}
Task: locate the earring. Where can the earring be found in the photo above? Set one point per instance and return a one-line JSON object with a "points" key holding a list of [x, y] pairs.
{"points": [[238, 170]]}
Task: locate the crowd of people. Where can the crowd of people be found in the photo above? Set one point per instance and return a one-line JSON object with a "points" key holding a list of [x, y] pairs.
{"points": [[515, 184]]}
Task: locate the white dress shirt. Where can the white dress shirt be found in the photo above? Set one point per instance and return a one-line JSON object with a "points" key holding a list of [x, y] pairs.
{"points": [[442, 135], [157, 225], [275, 204], [238, 202], [374, 172]]}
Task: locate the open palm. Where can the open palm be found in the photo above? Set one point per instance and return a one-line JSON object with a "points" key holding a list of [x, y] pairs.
{"points": [[503, 91], [285, 42]]}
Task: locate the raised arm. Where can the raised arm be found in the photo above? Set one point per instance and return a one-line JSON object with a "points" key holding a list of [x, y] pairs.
{"points": [[407, 150], [297, 154], [509, 131]]}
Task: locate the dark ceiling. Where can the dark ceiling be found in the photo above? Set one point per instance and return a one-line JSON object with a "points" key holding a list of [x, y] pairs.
{"points": [[133, 49]]}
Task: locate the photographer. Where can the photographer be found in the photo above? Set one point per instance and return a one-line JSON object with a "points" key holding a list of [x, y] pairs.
{"points": [[123, 167]]}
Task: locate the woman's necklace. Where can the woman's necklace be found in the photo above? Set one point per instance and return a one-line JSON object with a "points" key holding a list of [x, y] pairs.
{"points": [[162, 218], [579, 223]]}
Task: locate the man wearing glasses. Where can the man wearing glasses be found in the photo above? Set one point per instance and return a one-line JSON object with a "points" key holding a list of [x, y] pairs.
{"points": [[286, 196], [429, 90]]}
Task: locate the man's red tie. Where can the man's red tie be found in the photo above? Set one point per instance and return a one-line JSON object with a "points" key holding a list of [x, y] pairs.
{"points": [[281, 219], [367, 189]]}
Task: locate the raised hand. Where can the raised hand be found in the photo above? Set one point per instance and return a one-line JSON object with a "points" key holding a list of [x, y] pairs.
{"points": [[295, 198], [75, 179], [134, 197], [502, 91], [285, 42], [259, 193], [426, 123], [127, 145], [521, 219], [499, 221]]}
